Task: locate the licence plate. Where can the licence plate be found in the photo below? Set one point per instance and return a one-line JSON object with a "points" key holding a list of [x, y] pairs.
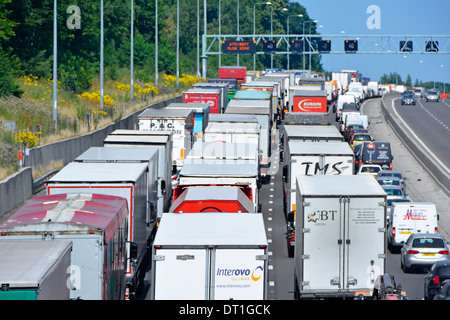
{"points": [[405, 232], [428, 254]]}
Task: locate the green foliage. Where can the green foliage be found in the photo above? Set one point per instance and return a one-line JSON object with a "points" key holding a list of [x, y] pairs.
{"points": [[29, 32], [76, 74]]}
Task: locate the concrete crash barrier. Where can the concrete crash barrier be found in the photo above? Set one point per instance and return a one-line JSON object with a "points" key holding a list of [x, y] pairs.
{"points": [[18, 187], [15, 190], [438, 171]]}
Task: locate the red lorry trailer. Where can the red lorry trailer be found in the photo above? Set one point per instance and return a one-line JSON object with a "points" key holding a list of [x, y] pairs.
{"points": [[96, 224], [238, 73], [213, 97], [212, 199], [308, 101]]}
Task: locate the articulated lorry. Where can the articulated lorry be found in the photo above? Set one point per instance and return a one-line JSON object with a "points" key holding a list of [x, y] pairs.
{"points": [[340, 248], [97, 227], [210, 256], [34, 270]]}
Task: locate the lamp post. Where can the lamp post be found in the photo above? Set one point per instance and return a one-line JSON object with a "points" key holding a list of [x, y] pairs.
{"points": [[156, 42], [288, 47], [271, 31], [310, 55], [254, 28], [178, 43], [303, 30], [55, 65]]}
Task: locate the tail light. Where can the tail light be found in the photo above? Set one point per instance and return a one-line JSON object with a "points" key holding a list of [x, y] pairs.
{"points": [[435, 229], [444, 252], [413, 252], [393, 232], [436, 280]]}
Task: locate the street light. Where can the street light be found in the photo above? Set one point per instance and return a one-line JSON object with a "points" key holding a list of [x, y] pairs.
{"points": [[303, 30], [310, 55], [254, 28], [271, 31], [295, 15]]}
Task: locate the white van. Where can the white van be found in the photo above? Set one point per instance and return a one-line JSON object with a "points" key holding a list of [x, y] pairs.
{"points": [[343, 98], [410, 217]]}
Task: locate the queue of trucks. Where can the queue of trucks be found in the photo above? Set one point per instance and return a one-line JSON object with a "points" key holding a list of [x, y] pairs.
{"points": [[180, 192]]}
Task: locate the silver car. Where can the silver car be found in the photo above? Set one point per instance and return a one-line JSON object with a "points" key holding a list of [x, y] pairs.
{"points": [[394, 192], [432, 95], [392, 173], [423, 250]]}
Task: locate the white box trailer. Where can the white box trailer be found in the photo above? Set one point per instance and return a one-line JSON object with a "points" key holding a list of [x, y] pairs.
{"points": [[263, 113], [201, 115], [233, 133], [222, 150], [314, 158], [410, 217], [210, 256], [341, 236], [96, 225], [232, 118], [34, 270], [180, 121], [160, 140], [127, 180], [311, 133], [222, 172], [135, 154]]}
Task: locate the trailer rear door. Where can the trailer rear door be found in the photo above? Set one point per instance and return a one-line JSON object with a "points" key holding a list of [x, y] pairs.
{"points": [[365, 254], [238, 274], [181, 274], [322, 254]]}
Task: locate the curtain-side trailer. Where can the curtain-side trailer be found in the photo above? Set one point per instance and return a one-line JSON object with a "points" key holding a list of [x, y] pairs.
{"points": [[97, 227], [127, 180]]}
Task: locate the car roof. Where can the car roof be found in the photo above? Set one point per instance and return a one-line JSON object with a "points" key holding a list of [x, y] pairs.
{"points": [[427, 235]]}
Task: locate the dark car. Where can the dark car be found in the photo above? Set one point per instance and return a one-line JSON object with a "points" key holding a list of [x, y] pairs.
{"points": [[375, 153], [439, 272], [444, 292], [348, 131], [408, 98]]}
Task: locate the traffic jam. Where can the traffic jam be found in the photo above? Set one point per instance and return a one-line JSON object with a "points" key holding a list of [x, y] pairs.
{"points": [[178, 196]]}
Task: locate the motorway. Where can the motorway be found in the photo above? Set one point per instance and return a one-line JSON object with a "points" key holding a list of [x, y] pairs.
{"points": [[430, 121], [420, 187]]}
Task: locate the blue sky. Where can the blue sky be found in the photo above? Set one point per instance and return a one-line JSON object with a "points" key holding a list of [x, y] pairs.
{"points": [[397, 17]]}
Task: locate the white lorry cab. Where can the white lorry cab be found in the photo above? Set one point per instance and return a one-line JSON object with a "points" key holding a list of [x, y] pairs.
{"points": [[410, 217]]}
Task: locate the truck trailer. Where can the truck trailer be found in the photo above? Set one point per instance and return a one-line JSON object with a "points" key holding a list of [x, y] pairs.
{"points": [[222, 172], [212, 199], [201, 116], [308, 101], [34, 270], [210, 256], [127, 180], [97, 227], [313, 158], [158, 140], [340, 246], [210, 96], [263, 113], [181, 122]]}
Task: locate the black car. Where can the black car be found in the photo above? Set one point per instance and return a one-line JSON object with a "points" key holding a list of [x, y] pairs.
{"points": [[374, 153], [408, 98], [439, 272], [444, 292]]}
